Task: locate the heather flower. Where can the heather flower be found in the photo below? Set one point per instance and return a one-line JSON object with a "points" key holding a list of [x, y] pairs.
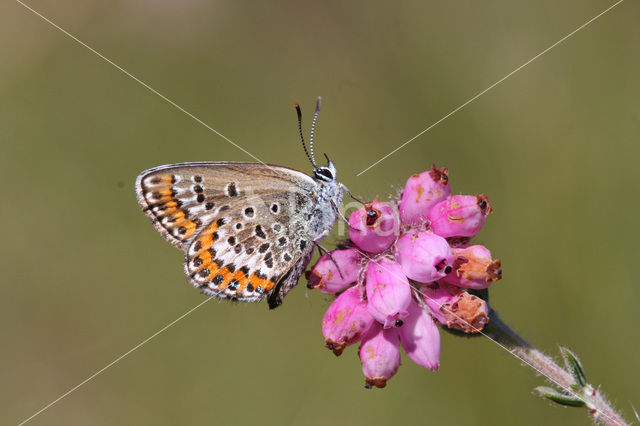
{"points": [[388, 292], [421, 193], [459, 215], [467, 312], [333, 272], [420, 337], [438, 295], [404, 277], [346, 320], [474, 268], [380, 355], [425, 257], [374, 227]]}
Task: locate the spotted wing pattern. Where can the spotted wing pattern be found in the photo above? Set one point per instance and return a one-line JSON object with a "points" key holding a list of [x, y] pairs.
{"points": [[241, 225]]}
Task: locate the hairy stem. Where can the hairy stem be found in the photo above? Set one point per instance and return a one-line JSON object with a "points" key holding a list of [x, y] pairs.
{"points": [[596, 404]]}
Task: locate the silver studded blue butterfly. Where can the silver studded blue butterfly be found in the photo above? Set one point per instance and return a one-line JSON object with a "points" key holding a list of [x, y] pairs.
{"points": [[248, 230]]}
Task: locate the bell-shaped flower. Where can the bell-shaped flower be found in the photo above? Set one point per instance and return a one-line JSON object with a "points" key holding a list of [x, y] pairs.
{"points": [[422, 192], [438, 295], [425, 257], [380, 355], [346, 320], [420, 337], [388, 292], [374, 227], [334, 271], [467, 312], [459, 215], [474, 268]]}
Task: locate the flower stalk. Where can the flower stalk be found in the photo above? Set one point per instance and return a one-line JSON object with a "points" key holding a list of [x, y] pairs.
{"points": [[570, 387]]}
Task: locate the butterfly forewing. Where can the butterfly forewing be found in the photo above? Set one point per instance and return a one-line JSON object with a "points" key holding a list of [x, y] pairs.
{"points": [[243, 226]]}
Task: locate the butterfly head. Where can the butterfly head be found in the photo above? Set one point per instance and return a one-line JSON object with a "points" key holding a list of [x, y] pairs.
{"points": [[323, 173], [326, 173]]}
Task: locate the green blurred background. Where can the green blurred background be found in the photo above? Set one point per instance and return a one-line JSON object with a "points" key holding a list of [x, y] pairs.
{"points": [[85, 277]]}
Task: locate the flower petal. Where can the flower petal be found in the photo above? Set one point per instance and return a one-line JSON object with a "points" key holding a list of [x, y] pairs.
{"points": [[420, 337], [388, 292], [346, 320], [374, 227], [380, 355], [332, 275]]}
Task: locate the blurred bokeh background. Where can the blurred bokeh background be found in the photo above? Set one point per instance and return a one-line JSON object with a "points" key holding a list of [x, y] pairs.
{"points": [[85, 277]]}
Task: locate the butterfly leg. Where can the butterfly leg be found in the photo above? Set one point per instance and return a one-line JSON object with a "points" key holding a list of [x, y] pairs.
{"points": [[323, 250], [345, 189], [341, 216]]}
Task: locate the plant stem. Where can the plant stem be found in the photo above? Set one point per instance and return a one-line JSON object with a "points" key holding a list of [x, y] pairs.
{"points": [[596, 404]]}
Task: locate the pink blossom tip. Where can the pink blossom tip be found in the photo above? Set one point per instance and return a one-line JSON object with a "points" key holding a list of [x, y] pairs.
{"points": [[437, 296], [474, 268], [346, 320], [420, 337], [380, 355], [388, 292], [422, 192], [374, 227], [425, 257], [459, 215], [334, 271]]}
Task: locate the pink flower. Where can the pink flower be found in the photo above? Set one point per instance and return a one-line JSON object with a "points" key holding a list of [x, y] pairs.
{"points": [[420, 338], [424, 257], [380, 355], [438, 295], [421, 193], [332, 275], [388, 292], [374, 227], [409, 281], [459, 215], [346, 320], [474, 268]]}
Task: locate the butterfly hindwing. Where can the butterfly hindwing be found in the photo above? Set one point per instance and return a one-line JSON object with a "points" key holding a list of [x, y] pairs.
{"points": [[241, 225]]}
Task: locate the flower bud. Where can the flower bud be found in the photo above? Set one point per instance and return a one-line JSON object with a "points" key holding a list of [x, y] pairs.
{"points": [[474, 268], [388, 292], [380, 355], [459, 215], [373, 227], [421, 193], [346, 320], [332, 275], [425, 257], [467, 312], [437, 295], [420, 337]]}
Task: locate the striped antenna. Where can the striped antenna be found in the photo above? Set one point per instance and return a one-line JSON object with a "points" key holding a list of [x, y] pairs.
{"points": [[313, 128], [302, 136]]}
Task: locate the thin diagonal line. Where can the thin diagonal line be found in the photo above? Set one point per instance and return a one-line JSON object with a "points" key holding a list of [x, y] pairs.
{"points": [[114, 361], [492, 86], [251, 155], [142, 83]]}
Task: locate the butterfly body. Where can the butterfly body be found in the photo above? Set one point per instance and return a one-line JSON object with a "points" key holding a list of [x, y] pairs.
{"points": [[248, 230]]}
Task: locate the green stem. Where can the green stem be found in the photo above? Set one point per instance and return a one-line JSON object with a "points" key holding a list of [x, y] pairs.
{"points": [[597, 406]]}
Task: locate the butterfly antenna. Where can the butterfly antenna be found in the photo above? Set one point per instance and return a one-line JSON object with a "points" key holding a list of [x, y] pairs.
{"points": [[302, 136], [313, 127]]}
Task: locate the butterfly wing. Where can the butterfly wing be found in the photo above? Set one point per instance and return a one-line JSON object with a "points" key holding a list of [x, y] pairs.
{"points": [[243, 226]]}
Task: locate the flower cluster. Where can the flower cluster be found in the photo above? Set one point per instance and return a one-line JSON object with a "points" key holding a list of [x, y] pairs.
{"points": [[404, 269]]}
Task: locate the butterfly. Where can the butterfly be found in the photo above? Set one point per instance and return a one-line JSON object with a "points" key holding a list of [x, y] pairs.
{"points": [[248, 230]]}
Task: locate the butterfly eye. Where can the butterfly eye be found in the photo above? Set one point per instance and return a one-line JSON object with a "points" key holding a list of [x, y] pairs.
{"points": [[324, 173]]}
